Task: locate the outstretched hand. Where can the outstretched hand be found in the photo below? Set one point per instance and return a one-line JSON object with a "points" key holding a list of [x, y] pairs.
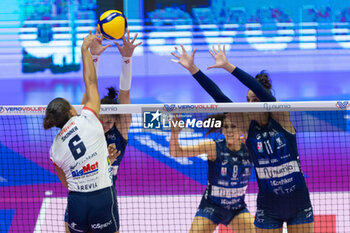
{"points": [[96, 47], [220, 58], [113, 153], [128, 46], [185, 59], [89, 41]]}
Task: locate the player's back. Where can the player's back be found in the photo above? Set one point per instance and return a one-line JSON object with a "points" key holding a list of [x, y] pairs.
{"points": [[80, 150]]}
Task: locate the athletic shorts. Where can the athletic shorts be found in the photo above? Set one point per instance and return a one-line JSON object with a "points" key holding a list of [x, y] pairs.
{"points": [[93, 211], [218, 214], [265, 219]]}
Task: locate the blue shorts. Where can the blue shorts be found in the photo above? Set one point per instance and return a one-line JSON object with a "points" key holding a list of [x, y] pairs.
{"points": [[93, 211], [218, 214], [265, 219]]}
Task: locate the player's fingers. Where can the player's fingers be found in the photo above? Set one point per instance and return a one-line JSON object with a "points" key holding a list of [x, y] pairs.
{"points": [[224, 49], [194, 52], [124, 39], [99, 39], [177, 50], [212, 53], [133, 39], [214, 50], [177, 56], [183, 48], [118, 45], [138, 44], [106, 46], [128, 35], [219, 47]]}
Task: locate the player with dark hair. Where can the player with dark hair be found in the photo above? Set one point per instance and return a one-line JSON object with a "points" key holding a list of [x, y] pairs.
{"points": [[79, 153], [283, 195], [115, 127], [229, 169]]}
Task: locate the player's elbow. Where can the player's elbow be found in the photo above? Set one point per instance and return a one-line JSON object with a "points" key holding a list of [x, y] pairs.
{"points": [[175, 151]]}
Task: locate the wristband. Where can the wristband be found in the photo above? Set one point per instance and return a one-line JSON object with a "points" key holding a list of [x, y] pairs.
{"points": [[96, 59], [125, 75]]}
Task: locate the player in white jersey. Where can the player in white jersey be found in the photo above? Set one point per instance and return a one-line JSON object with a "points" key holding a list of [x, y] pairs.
{"points": [[80, 154]]}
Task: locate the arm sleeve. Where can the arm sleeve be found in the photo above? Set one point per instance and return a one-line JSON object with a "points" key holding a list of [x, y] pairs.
{"points": [[211, 88], [253, 85]]}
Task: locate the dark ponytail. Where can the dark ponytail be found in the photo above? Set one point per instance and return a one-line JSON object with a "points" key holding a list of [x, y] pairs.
{"points": [[111, 97], [57, 113], [264, 80]]}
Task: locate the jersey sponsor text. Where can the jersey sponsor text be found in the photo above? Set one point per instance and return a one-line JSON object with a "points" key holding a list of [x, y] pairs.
{"points": [[217, 191], [87, 169], [278, 171]]}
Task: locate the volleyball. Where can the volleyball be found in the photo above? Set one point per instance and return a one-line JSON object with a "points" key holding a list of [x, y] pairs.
{"points": [[112, 24]]}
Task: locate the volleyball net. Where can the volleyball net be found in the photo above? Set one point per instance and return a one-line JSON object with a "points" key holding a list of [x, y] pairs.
{"points": [[156, 191]]}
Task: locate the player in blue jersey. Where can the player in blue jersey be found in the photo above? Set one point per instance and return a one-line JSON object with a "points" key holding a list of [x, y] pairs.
{"points": [[283, 195], [79, 153], [229, 169], [116, 127]]}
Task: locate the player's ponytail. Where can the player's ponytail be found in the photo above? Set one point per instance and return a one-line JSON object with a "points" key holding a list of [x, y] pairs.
{"points": [[264, 80], [57, 113], [111, 97]]}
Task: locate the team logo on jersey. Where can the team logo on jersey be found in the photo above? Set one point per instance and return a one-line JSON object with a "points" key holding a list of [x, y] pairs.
{"points": [[280, 143], [246, 162], [151, 120], [88, 169], [223, 171], [111, 136], [263, 161], [224, 162], [223, 182], [271, 133], [260, 147]]}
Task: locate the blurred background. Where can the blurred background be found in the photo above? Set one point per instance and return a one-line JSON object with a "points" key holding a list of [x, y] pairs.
{"points": [[303, 44]]}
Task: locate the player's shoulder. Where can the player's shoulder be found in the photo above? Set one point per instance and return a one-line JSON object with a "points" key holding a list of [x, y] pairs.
{"points": [[90, 114], [219, 141]]}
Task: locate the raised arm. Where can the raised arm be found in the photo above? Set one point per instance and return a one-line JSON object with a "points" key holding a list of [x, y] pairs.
{"points": [[253, 84], [250, 82], [175, 150], [187, 61], [126, 51], [96, 49], [89, 73]]}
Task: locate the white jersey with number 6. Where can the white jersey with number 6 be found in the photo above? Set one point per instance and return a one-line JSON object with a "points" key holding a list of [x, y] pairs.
{"points": [[80, 150]]}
